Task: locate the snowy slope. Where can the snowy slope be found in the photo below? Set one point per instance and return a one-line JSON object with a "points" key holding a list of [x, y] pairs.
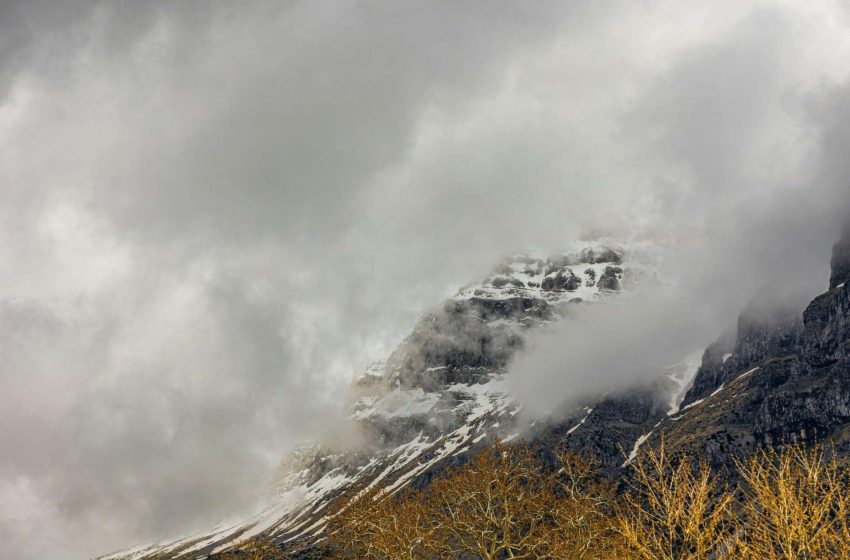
{"points": [[440, 393]]}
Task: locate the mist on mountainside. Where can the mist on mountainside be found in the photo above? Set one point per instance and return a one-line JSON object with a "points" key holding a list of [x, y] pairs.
{"points": [[214, 216]]}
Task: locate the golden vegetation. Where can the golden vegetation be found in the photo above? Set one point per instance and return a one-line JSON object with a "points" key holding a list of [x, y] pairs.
{"points": [[502, 504], [792, 504], [798, 506], [673, 512]]}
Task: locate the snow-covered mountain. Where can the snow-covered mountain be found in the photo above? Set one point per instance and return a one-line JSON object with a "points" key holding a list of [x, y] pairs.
{"points": [[779, 376], [441, 392]]}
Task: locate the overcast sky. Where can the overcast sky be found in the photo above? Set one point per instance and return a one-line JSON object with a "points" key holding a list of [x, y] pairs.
{"points": [[212, 214]]}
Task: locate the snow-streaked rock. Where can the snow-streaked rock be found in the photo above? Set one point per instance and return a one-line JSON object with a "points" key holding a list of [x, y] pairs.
{"points": [[441, 392]]}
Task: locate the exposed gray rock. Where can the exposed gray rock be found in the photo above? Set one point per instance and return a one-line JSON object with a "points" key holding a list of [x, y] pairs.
{"points": [[564, 280], [781, 376], [610, 279], [827, 328], [610, 428], [766, 328], [785, 383], [456, 344], [501, 281]]}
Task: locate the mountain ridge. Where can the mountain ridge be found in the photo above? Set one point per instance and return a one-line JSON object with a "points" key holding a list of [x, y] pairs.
{"points": [[440, 393], [782, 375]]}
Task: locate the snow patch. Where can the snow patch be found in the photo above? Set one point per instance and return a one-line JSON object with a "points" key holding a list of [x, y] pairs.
{"points": [[693, 404], [396, 403], [586, 416], [746, 373], [640, 441]]}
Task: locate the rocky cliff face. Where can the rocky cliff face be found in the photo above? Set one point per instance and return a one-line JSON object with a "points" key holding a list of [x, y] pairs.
{"points": [[785, 379], [437, 396], [764, 330], [781, 375]]}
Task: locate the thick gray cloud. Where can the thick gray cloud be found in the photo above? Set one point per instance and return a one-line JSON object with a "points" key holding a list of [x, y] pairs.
{"points": [[750, 207], [213, 214]]}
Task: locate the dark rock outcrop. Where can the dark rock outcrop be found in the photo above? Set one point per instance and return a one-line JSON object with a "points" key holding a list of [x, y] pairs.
{"points": [[609, 428], [456, 344], [501, 281], [781, 376], [767, 328], [827, 328], [610, 279], [788, 380], [564, 279]]}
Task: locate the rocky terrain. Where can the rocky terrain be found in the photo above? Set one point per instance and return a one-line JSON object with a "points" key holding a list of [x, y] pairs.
{"points": [[781, 375], [441, 392], [782, 378]]}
